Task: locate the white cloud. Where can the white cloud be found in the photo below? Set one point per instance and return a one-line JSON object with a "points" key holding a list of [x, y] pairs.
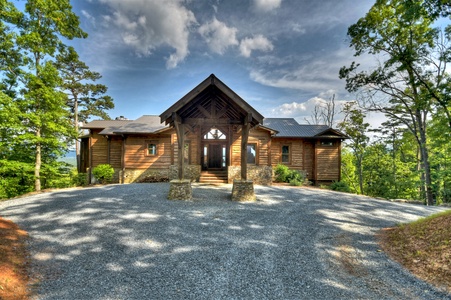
{"points": [[258, 42], [303, 112], [218, 36], [145, 25], [266, 5], [312, 73], [88, 16], [292, 109]]}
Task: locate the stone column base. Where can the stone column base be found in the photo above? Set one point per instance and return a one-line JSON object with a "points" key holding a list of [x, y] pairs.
{"points": [[180, 190], [243, 190]]}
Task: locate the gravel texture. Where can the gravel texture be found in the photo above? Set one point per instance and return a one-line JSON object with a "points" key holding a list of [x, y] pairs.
{"points": [[130, 242]]}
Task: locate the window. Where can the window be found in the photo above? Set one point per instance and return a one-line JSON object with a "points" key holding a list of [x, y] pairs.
{"points": [[327, 143], [151, 149], [251, 153], [186, 153], [215, 134], [286, 154]]}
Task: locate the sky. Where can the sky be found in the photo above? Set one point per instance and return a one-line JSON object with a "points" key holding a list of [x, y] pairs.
{"points": [[280, 56]]}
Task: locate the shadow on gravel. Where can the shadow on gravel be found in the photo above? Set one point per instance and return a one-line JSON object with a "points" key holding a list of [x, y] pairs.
{"points": [[129, 242]]}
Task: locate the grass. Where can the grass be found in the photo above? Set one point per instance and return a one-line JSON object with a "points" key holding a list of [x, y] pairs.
{"points": [[14, 260], [423, 247]]}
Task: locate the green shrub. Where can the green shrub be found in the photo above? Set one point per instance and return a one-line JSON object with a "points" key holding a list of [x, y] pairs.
{"points": [[79, 179], [293, 177], [103, 173], [16, 178], [281, 173], [64, 181], [340, 186], [295, 182]]}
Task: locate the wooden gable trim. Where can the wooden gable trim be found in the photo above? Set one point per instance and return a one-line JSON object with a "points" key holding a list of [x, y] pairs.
{"points": [[212, 80], [331, 133]]}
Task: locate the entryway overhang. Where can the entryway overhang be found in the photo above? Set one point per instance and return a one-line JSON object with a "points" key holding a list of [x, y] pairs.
{"points": [[211, 103]]}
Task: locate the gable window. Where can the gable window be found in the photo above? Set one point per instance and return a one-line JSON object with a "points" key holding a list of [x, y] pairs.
{"points": [[327, 143], [215, 134], [286, 154], [151, 148], [251, 153]]}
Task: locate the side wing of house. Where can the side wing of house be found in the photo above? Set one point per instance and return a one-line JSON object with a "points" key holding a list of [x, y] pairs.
{"points": [[135, 157], [313, 149]]}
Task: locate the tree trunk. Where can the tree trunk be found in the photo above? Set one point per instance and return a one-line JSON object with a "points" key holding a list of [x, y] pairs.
{"points": [[37, 166], [426, 166], [360, 172], [77, 141]]}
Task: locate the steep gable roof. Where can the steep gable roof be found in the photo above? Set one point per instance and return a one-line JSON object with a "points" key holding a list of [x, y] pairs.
{"points": [[212, 89]]}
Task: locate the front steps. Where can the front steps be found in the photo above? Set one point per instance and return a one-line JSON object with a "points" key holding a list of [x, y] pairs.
{"points": [[213, 176]]}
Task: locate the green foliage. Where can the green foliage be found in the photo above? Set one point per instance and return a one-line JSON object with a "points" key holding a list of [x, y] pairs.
{"points": [[411, 82], [103, 173], [85, 99], [356, 128], [295, 182], [79, 179], [281, 173], [285, 174], [340, 186], [16, 178], [35, 114]]}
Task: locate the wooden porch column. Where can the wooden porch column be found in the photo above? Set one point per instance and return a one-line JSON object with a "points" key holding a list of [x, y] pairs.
{"points": [[180, 131], [244, 138], [243, 190]]}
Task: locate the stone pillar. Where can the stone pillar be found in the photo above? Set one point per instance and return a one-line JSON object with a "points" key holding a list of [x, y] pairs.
{"points": [[243, 190], [180, 190]]}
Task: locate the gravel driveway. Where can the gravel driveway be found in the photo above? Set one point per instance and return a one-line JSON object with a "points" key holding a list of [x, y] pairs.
{"points": [[129, 242]]}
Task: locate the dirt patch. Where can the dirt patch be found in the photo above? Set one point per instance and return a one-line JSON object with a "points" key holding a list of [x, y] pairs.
{"points": [[423, 247], [14, 262]]}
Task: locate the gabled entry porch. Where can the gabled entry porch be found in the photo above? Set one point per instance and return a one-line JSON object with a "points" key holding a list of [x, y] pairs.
{"points": [[217, 117]]}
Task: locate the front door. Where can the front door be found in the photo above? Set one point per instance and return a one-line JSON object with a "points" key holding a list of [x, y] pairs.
{"points": [[214, 156]]}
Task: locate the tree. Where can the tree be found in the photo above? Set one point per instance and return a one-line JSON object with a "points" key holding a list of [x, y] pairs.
{"points": [[402, 86], [324, 113], [85, 99], [41, 28], [355, 127]]}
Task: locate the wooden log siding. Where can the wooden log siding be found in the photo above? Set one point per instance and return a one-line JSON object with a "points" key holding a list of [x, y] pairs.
{"points": [[309, 158], [115, 151], [256, 136], [99, 149], [296, 153], [194, 150], [327, 158], [136, 152]]}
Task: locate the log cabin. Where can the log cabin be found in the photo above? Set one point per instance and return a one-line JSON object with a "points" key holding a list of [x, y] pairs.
{"points": [[211, 135]]}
